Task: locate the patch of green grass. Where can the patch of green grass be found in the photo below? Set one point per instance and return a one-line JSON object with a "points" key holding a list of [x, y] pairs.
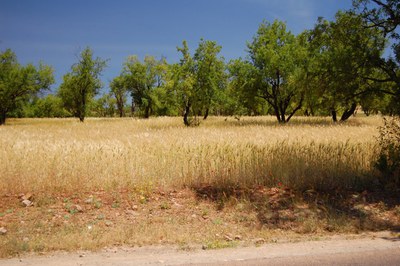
{"points": [[220, 244]]}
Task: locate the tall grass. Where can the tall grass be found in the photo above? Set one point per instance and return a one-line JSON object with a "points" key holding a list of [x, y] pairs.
{"points": [[53, 155]]}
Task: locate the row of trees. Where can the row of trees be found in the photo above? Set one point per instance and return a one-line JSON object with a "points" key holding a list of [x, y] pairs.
{"points": [[328, 70]]}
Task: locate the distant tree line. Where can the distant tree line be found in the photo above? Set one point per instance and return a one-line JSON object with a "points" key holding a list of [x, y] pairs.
{"points": [[329, 70]]}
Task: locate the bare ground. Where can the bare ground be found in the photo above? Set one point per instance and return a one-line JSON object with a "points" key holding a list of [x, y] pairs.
{"points": [[205, 217], [382, 248]]}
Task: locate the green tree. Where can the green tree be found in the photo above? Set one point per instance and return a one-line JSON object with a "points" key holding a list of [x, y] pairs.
{"points": [[103, 106], [183, 81], [384, 16], [49, 106], [198, 80], [18, 82], [345, 52], [274, 69], [141, 79], [119, 90], [82, 83], [241, 88], [210, 75]]}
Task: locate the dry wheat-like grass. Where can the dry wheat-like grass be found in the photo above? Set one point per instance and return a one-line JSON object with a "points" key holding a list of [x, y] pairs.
{"points": [[52, 155]]}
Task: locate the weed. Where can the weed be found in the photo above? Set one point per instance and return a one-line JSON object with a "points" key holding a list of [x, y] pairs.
{"points": [[165, 206], [219, 244]]}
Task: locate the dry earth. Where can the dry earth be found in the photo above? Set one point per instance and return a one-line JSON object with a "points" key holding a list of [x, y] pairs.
{"points": [[381, 248]]}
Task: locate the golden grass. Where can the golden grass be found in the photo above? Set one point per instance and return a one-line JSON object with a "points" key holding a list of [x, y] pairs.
{"points": [[63, 155]]}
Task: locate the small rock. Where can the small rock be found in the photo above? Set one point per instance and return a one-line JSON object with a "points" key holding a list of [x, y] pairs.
{"points": [[132, 213], [25, 239], [259, 241], [228, 238], [27, 203], [108, 223], [89, 200], [78, 208], [3, 231], [238, 237], [134, 207]]}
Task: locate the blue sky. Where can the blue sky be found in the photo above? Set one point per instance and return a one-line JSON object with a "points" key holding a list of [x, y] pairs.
{"points": [[55, 31]]}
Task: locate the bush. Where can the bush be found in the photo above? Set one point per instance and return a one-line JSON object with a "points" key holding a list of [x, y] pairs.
{"points": [[388, 162]]}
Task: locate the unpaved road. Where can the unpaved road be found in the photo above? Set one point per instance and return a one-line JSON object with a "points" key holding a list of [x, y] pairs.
{"points": [[369, 250]]}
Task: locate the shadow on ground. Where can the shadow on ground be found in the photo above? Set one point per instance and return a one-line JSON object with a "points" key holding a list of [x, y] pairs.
{"points": [[311, 211]]}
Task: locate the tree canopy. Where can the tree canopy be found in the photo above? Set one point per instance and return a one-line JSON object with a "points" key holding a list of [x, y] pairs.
{"points": [[18, 82], [82, 83]]}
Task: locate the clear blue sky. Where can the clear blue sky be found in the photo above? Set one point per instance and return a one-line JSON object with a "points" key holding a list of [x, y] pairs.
{"points": [[55, 31]]}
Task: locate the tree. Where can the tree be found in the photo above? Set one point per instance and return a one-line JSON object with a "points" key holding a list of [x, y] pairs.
{"points": [[345, 53], [210, 75], [49, 106], [241, 88], [384, 15], [198, 79], [118, 89], [142, 78], [82, 83], [18, 82], [183, 81], [103, 106], [274, 69]]}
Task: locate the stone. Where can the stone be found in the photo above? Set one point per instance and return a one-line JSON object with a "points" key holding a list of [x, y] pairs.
{"points": [[3, 231], [259, 241], [228, 238], [78, 208], [27, 203]]}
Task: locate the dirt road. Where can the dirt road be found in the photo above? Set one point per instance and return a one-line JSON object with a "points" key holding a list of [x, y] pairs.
{"points": [[369, 250]]}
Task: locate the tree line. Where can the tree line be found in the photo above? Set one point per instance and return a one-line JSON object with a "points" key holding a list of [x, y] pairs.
{"points": [[331, 69]]}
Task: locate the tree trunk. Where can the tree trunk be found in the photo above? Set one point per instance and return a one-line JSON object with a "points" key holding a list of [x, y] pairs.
{"points": [[276, 111], [120, 106], [186, 114], [206, 114], [82, 108], [348, 112], [133, 107], [334, 115], [147, 111], [3, 117]]}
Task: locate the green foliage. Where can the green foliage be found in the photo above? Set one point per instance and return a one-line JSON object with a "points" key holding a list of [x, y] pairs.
{"points": [[388, 162], [344, 52], [119, 91], [82, 83], [49, 106], [274, 70], [329, 70], [199, 80], [103, 106], [141, 79], [18, 83], [384, 17]]}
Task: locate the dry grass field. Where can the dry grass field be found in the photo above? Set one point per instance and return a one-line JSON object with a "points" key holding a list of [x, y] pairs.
{"points": [[64, 155], [128, 181]]}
